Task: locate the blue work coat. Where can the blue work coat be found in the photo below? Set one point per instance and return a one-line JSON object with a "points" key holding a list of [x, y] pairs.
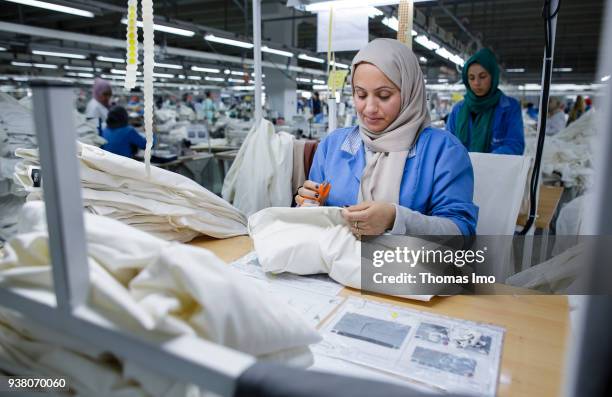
{"points": [[438, 179], [508, 135], [123, 141]]}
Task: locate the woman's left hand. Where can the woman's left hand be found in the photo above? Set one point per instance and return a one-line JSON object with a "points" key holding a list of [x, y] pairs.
{"points": [[370, 218]]}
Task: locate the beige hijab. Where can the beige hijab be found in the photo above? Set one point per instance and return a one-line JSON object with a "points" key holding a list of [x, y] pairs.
{"points": [[383, 173]]}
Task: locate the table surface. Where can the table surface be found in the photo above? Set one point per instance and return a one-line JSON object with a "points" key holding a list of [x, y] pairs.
{"points": [[537, 326], [226, 155], [547, 206]]}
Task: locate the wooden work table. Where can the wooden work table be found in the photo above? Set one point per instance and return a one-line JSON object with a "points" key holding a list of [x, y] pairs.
{"points": [[537, 326]]}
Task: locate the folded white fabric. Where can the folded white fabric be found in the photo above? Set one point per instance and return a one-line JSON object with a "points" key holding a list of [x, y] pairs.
{"points": [[149, 287], [260, 176], [167, 204], [307, 240]]}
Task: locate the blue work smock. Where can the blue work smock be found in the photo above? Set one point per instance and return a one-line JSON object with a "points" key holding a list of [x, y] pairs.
{"points": [[508, 135], [123, 141], [438, 179]]}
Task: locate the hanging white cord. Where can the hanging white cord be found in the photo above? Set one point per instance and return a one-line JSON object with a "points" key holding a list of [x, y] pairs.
{"points": [[131, 41], [149, 55]]}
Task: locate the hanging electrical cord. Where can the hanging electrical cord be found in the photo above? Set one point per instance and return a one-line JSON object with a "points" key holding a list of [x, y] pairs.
{"points": [[548, 64], [148, 64]]}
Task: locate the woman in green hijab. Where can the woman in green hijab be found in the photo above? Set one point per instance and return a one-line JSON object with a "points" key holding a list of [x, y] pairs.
{"points": [[487, 120]]}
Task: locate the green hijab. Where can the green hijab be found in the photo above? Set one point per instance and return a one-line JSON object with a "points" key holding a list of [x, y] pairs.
{"points": [[483, 107]]}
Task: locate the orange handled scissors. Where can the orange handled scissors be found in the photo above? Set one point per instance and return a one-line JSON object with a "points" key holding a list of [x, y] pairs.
{"points": [[323, 191]]}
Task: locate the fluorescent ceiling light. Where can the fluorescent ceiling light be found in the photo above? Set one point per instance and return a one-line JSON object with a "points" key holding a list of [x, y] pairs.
{"points": [[243, 88], [35, 65], [54, 7], [207, 78], [303, 80], [163, 75], [425, 42], [235, 80], [340, 65], [457, 59], [164, 28], [181, 76], [58, 54], [79, 68], [392, 22], [605, 78], [373, 12], [194, 77], [109, 59], [325, 5], [45, 66], [2, 49], [311, 59], [515, 70], [319, 87], [235, 43], [168, 66], [423, 59], [262, 76], [237, 73], [86, 75], [315, 81], [205, 70], [562, 69], [121, 71], [227, 71], [277, 52], [442, 80], [444, 53], [112, 77]]}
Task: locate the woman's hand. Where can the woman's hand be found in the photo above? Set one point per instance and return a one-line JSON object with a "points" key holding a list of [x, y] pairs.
{"points": [[370, 218], [307, 195]]}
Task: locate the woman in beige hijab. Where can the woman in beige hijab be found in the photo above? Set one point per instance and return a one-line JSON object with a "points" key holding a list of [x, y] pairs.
{"points": [[393, 172]]}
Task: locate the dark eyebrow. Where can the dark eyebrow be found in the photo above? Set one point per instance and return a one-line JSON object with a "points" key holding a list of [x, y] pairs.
{"points": [[378, 89]]}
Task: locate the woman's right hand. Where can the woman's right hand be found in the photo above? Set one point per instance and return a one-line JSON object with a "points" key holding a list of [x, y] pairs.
{"points": [[307, 195]]}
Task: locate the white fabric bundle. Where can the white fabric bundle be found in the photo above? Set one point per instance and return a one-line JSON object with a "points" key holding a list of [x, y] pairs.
{"points": [[307, 240], [168, 205], [17, 131], [151, 287], [260, 176], [312, 240]]}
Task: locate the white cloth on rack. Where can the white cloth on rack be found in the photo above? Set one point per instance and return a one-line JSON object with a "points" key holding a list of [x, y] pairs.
{"points": [[499, 184], [154, 287], [167, 204], [260, 176]]}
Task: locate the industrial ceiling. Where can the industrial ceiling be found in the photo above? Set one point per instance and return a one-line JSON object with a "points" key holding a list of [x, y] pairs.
{"points": [[514, 29]]}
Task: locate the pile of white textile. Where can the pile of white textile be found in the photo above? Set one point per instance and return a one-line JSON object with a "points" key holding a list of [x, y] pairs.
{"points": [[260, 176], [569, 152], [167, 204], [149, 288], [17, 131]]}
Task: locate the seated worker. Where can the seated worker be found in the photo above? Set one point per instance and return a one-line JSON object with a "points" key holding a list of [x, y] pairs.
{"points": [[394, 171], [487, 120], [122, 139]]}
